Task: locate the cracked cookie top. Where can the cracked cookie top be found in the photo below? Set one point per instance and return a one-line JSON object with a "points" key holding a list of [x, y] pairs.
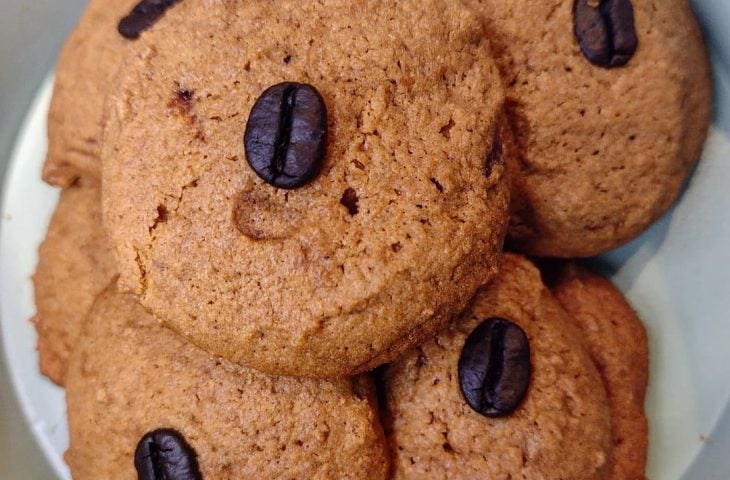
{"points": [[402, 223], [560, 430]]}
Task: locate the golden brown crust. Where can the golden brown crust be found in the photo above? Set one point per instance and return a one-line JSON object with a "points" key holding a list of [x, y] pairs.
{"points": [[130, 376], [616, 340], [602, 152], [561, 430], [85, 73], [325, 292], [75, 264]]}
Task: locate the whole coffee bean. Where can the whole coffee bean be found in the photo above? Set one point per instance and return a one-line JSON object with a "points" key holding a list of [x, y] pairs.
{"points": [[286, 135], [494, 367], [143, 16], [605, 31], [165, 455]]}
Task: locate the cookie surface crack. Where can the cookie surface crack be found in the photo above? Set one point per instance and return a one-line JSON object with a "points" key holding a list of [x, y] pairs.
{"points": [[163, 216]]}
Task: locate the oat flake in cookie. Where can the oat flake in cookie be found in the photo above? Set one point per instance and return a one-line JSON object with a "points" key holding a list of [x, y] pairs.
{"points": [[134, 386], [606, 133], [561, 430], [397, 229]]}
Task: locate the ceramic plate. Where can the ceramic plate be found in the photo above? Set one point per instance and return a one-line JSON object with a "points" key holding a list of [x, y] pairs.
{"points": [[676, 275]]}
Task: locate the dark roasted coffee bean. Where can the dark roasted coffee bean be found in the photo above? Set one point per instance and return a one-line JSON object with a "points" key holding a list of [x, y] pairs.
{"points": [[494, 367], [605, 31], [165, 455], [143, 16], [286, 135]]}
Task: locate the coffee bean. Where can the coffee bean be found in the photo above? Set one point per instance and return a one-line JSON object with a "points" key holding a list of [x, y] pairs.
{"points": [[494, 367], [605, 31], [143, 16], [165, 455], [286, 135]]}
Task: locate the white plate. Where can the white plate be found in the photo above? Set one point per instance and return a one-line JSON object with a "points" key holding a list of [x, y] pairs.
{"points": [[676, 275]]}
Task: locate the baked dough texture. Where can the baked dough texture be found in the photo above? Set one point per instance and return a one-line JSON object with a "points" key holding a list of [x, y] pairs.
{"points": [[75, 264], [130, 376], [403, 224], [616, 340], [561, 430], [602, 153], [85, 73]]}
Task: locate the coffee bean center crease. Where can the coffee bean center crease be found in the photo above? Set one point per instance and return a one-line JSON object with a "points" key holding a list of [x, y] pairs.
{"points": [[605, 31], [495, 368], [164, 454], [286, 135]]}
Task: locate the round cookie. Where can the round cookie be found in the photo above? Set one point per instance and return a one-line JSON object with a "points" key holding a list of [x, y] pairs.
{"points": [[75, 264], [616, 340], [560, 430], [129, 376], [602, 152], [85, 72], [404, 222]]}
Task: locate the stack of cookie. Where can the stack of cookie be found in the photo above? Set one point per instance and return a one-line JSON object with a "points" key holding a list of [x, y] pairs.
{"points": [[265, 202]]}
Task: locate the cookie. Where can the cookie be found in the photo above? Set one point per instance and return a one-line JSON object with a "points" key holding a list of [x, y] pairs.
{"points": [[616, 340], [401, 221], [75, 264], [130, 377], [602, 152], [85, 73], [560, 429]]}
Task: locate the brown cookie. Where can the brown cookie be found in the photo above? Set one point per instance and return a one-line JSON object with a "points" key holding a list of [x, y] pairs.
{"points": [[616, 340], [75, 264], [85, 72], [560, 430], [129, 376], [396, 232], [602, 152]]}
